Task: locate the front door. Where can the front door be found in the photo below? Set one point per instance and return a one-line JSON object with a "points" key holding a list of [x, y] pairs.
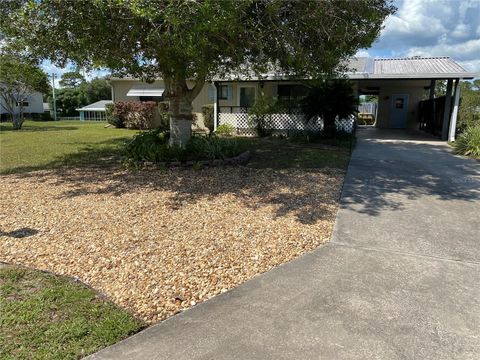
{"points": [[247, 96], [399, 112]]}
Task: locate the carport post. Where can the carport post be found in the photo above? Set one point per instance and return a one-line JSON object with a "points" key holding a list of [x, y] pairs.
{"points": [[432, 89], [453, 119], [446, 112], [215, 105]]}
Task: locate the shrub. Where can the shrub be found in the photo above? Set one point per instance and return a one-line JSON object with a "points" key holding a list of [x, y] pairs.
{"points": [[260, 115], [112, 117], [46, 116], [211, 147], [133, 114], [468, 143], [208, 118], [225, 130], [153, 146], [329, 99], [141, 115]]}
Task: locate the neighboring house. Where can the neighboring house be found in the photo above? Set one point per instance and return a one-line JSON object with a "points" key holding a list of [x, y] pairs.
{"points": [[95, 111], [33, 105], [399, 83]]}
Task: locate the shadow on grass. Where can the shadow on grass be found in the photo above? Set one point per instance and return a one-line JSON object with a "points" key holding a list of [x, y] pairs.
{"points": [[28, 128], [105, 153]]}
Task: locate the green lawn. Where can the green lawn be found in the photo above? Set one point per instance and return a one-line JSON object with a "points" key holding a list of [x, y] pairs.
{"points": [[50, 317], [42, 145], [281, 153], [47, 144]]}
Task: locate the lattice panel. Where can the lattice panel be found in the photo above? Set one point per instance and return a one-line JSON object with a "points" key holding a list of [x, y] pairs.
{"points": [[245, 124]]}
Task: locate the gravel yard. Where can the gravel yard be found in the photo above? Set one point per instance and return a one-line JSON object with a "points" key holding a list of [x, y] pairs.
{"points": [[157, 242]]}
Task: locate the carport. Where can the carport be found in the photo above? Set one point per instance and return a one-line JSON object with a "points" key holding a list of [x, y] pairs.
{"points": [[401, 84]]}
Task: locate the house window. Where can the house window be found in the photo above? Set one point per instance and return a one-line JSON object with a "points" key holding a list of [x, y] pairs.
{"points": [[22, 103], [223, 92], [291, 93]]}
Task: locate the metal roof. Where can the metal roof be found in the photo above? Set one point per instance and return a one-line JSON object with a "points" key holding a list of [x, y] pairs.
{"points": [[96, 106], [416, 65]]}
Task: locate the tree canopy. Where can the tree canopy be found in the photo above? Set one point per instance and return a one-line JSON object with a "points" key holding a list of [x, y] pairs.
{"points": [[196, 40], [71, 79]]}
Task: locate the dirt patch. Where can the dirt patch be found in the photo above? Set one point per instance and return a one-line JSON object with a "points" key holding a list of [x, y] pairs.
{"points": [[157, 242]]}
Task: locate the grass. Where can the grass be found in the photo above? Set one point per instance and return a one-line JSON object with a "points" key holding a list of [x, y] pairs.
{"points": [[44, 145], [281, 153], [48, 144], [44, 316]]}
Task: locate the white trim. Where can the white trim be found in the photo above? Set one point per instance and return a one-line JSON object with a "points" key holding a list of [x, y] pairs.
{"points": [[453, 119], [215, 107]]}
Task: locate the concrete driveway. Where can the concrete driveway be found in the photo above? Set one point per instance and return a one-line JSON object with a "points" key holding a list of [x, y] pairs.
{"points": [[400, 278]]}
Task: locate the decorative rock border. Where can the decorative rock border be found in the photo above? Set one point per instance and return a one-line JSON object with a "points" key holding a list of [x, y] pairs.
{"points": [[241, 159]]}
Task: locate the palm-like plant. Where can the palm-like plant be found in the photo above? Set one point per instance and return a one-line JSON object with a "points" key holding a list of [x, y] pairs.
{"points": [[329, 99]]}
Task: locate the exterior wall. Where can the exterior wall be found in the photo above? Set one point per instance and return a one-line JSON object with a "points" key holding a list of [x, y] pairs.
{"points": [[35, 105], [415, 95], [120, 89], [415, 89]]}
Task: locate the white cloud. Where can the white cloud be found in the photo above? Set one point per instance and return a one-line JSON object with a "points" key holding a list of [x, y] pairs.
{"points": [[433, 28], [462, 51], [362, 53]]}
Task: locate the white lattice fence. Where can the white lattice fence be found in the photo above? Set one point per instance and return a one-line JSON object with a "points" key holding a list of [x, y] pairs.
{"points": [[245, 123]]}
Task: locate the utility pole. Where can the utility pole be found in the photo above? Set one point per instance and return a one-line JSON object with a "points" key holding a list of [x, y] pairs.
{"points": [[54, 100]]}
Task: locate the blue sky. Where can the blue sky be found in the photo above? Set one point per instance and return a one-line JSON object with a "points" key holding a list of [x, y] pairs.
{"points": [[420, 27]]}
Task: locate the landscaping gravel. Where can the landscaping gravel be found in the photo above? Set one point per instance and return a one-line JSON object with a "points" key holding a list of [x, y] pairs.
{"points": [[157, 242]]}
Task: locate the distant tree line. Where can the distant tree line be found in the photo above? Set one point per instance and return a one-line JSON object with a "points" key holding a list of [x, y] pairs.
{"points": [[76, 92]]}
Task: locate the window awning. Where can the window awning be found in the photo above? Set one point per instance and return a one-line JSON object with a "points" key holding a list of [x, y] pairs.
{"points": [[144, 90]]}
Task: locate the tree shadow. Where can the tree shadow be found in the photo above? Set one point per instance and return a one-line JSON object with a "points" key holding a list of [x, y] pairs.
{"points": [[95, 156], [309, 195], [29, 128], [384, 175], [19, 233]]}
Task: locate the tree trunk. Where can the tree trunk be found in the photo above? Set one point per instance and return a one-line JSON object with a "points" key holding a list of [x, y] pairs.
{"points": [[329, 128], [17, 121], [180, 108]]}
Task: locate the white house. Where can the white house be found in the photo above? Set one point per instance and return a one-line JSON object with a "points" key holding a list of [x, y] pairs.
{"points": [[33, 104], [404, 87]]}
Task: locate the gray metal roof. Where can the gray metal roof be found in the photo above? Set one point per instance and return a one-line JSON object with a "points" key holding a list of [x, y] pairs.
{"points": [[417, 66], [96, 106]]}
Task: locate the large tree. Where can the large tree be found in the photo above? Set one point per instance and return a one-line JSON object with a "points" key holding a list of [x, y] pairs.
{"points": [[195, 40], [71, 79], [19, 80]]}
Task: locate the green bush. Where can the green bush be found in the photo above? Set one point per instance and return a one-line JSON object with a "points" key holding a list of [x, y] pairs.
{"points": [[260, 115], [153, 146], [225, 130], [211, 147], [468, 143], [208, 117]]}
